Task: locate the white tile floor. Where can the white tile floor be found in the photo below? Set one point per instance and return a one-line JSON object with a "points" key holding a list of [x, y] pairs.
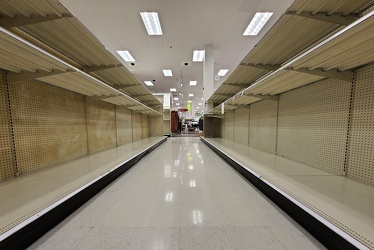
{"points": [[181, 196]]}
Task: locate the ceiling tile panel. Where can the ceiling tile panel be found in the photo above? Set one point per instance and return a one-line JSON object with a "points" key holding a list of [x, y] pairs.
{"points": [[135, 23], [272, 6], [249, 5], [116, 23], [146, 5], [224, 22], [188, 6], [171, 23], [208, 5], [167, 5], [230, 6]]}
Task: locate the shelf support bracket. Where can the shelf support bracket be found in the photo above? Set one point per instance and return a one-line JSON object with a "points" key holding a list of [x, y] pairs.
{"points": [[333, 18], [333, 73], [17, 21], [18, 77], [98, 68], [261, 66], [266, 97]]}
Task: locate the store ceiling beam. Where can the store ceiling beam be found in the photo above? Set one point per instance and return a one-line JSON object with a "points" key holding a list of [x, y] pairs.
{"points": [[24, 76], [98, 68], [18, 21], [333, 73], [262, 66], [333, 18]]}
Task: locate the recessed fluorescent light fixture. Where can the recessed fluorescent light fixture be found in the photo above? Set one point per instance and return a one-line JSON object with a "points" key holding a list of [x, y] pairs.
{"points": [[151, 23], [177, 104], [176, 98], [198, 55], [148, 83], [257, 23], [200, 103], [222, 72], [173, 89], [126, 55], [167, 72], [190, 94], [193, 83]]}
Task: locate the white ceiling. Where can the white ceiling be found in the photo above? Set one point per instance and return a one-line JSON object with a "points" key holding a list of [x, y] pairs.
{"points": [[187, 25]]}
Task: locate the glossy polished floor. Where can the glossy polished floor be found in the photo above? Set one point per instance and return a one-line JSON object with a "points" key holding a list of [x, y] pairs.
{"points": [[180, 196]]}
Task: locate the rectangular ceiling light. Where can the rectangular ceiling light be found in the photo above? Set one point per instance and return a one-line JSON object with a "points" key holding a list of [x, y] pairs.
{"points": [[167, 72], [173, 89], [193, 83], [257, 23], [151, 23], [126, 55], [198, 55], [200, 103], [176, 98], [177, 104], [222, 72], [148, 83], [190, 95]]}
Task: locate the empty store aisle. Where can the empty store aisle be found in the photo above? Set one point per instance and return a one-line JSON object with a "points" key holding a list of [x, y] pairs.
{"points": [[181, 196]]}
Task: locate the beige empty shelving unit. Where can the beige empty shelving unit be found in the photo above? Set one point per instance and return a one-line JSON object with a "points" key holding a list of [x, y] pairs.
{"points": [[305, 93], [64, 98], [167, 104]]}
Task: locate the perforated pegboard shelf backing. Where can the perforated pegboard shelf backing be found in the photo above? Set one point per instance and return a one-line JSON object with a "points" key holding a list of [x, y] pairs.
{"points": [[123, 123], [101, 123], [6, 159], [361, 139], [241, 125], [313, 124], [137, 131], [145, 126], [229, 122], [49, 125], [262, 125]]}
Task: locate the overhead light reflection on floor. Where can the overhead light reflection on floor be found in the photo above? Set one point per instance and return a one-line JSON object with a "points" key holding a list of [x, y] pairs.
{"points": [[197, 217], [192, 183], [169, 196], [167, 171]]}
